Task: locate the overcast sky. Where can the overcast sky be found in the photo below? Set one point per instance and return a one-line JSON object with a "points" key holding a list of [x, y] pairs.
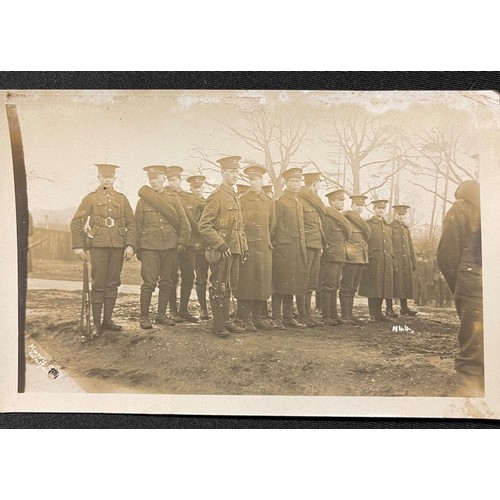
{"points": [[66, 132]]}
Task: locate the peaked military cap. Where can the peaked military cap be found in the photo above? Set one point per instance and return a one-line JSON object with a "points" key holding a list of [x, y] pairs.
{"points": [[401, 209], [229, 162], [380, 203], [156, 169], [339, 193], [196, 180], [358, 199], [311, 177], [106, 168], [254, 171], [292, 173], [174, 171]]}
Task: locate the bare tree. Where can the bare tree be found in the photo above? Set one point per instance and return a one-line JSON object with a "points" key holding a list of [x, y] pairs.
{"points": [[365, 142]]}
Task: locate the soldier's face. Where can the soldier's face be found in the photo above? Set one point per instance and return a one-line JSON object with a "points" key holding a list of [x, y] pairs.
{"points": [[197, 191], [379, 211], [399, 217], [337, 203], [358, 208], [157, 181], [230, 176], [174, 181], [255, 184], [293, 184], [107, 181]]}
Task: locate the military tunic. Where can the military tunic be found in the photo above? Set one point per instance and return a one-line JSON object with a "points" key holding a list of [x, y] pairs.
{"points": [[199, 246], [357, 254], [377, 277], [112, 228], [337, 232], [222, 207], [157, 242], [256, 273], [405, 261], [289, 245]]}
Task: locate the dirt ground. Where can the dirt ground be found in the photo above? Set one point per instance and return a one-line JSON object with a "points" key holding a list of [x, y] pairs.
{"points": [[345, 360]]}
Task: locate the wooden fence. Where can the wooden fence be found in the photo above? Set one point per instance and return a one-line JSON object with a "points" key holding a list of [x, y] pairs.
{"points": [[50, 244]]}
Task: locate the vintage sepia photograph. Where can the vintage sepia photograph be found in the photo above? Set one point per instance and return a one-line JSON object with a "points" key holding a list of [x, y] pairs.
{"points": [[309, 247]]}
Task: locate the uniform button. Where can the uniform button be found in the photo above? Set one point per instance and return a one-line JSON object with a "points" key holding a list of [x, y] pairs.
{"points": [[161, 227], [109, 209]]}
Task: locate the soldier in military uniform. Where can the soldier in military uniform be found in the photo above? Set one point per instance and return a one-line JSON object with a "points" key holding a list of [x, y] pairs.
{"points": [[223, 213], [314, 212], [196, 183], [187, 258], [460, 260], [159, 240], [406, 263], [289, 250], [377, 278], [111, 239], [337, 231], [268, 190], [254, 285], [357, 258]]}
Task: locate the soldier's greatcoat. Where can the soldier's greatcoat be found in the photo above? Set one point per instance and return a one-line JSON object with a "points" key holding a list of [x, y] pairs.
{"points": [[189, 203], [405, 261], [112, 222], [289, 245], [221, 207], [256, 273], [377, 277]]}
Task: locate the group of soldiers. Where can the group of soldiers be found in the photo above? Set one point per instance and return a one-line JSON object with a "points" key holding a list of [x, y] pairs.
{"points": [[246, 247]]}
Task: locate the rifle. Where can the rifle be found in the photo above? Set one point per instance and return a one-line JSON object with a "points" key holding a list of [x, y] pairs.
{"points": [[85, 326], [217, 295]]}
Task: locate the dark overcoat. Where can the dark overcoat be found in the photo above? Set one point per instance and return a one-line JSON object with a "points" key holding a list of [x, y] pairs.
{"points": [[255, 278], [377, 277], [289, 245], [405, 261]]}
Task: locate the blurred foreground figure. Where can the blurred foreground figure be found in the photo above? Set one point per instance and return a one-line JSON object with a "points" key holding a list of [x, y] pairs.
{"points": [[460, 260]]}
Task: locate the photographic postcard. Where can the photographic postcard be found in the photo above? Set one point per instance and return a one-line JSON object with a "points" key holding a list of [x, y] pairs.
{"points": [[261, 289]]}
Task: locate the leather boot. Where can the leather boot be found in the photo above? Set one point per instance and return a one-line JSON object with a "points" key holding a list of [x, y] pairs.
{"points": [[161, 316], [184, 302], [389, 309], [333, 306], [107, 323], [201, 293], [345, 310], [228, 324], [405, 311], [325, 309], [96, 317], [218, 327], [172, 302], [356, 320], [246, 315], [145, 302], [301, 309]]}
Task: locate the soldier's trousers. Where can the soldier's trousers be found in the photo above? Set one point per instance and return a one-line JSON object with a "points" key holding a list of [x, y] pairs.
{"points": [[331, 273], [313, 265], [351, 278], [201, 271], [158, 267], [469, 362], [107, 265], [232, 275]]}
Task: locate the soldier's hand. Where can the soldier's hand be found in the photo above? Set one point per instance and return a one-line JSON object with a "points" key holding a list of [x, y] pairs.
{"points": [[129, 253], [224, 250], [245, 256], [80, 253], [181, 248]]}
